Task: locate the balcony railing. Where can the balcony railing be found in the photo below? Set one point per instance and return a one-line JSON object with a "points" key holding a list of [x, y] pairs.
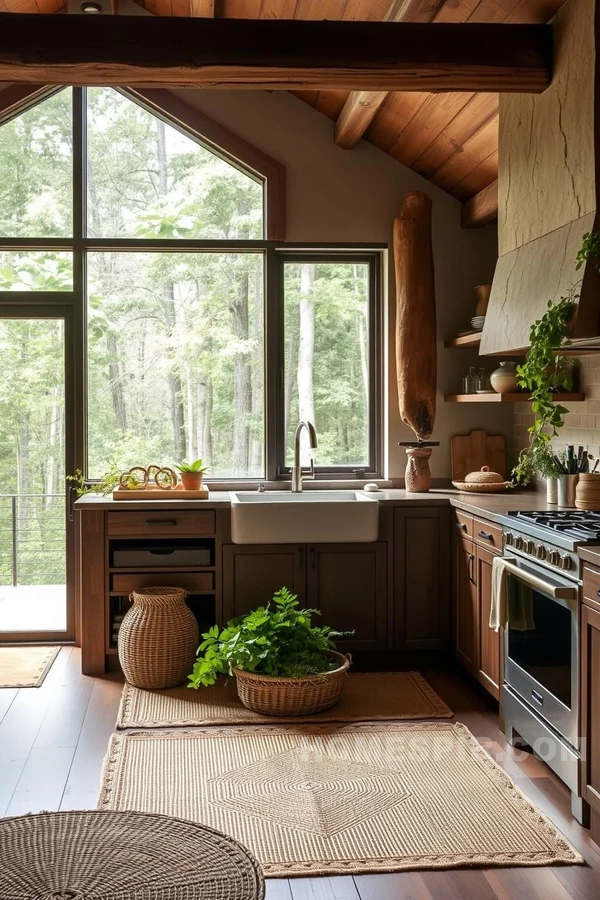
{"points": [[32, 539]]}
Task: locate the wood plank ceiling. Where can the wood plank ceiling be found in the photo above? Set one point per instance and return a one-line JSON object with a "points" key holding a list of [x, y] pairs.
{"points": [[450, 139]]}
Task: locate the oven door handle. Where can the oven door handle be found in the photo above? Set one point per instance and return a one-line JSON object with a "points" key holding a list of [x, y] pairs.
{"points": [[556, 591]]}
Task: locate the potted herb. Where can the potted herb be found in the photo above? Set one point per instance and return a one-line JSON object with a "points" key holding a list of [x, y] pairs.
{"points": [[283, 663], [191, 474]]}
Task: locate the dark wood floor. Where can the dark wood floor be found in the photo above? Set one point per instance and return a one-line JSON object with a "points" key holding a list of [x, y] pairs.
{"points": [[53, 740]]}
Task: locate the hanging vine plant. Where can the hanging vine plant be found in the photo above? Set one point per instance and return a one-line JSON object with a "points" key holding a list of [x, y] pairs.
{"points": [[546, 372]]}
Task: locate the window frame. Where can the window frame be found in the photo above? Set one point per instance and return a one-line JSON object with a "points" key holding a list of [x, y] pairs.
{"points": [[320, 254], [276, 252]]}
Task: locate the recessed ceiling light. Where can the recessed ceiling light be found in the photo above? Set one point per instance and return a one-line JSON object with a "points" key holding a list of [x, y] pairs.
{"points": [[91, 8]]}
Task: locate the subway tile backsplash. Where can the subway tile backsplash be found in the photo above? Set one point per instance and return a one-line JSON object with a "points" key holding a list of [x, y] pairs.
{"points": [[582, 422]]}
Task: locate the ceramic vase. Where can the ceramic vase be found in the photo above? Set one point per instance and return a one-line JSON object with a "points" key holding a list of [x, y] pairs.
{"points": [[504, 379], [417, 478]]}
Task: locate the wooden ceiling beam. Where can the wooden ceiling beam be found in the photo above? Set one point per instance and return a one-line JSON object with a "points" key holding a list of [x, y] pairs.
{"points": [[481, 209], [361, 107], [275, 54]]}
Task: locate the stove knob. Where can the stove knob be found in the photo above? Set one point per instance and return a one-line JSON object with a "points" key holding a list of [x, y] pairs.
{"points": [[508, 538], [553, 557], [519, 542], [530, 547], [566, 562], [540, 551]]}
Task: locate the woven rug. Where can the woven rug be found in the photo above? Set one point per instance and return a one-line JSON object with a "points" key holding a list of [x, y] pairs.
{"points": [[367, 697], [25, 666], [327, 799]]}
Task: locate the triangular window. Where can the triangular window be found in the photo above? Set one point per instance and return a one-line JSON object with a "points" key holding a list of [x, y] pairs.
{"points": [[148, 179]]}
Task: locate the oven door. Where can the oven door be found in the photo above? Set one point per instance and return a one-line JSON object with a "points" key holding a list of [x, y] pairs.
{"points": [[541, 662]]}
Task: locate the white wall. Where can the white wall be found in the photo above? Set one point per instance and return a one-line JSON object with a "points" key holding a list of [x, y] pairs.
{"points": [[339, 195]]}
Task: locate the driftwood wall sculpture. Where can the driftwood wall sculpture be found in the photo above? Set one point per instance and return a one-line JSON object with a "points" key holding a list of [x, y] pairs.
{"points": [[416, 362]]}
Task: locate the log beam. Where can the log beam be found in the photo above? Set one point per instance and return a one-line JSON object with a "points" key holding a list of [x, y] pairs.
{"points": [[361, 107], [480, 209], [274, 54]]}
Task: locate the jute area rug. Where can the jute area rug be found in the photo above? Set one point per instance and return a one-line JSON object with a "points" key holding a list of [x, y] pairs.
{"points": [[327, 799], [367, 697], [25, 666]]}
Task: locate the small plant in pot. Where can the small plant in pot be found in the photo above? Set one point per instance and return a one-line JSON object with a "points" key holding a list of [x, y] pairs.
{"points": [[191, 474], [284, 665]]}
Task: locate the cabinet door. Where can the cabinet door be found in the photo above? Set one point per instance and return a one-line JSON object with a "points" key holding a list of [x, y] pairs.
{"points": [[348, 584], [488, 657], [465, 604], [421, 578], [590, 710], [252, 573]]}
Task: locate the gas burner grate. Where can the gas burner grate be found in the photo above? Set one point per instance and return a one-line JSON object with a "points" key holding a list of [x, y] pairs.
{"points": [[572, 523]]}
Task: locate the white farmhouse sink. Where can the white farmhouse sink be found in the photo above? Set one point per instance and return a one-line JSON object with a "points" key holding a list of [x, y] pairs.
{"points": [[316, 517]]}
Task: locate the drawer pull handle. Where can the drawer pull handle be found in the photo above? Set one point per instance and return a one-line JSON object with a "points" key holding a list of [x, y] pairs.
{"points": [[537, 697], [487, 535], [171, 522], [461, 526], [598, 593]]}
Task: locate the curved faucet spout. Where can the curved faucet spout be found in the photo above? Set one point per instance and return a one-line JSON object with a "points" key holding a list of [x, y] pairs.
{"points": [[312, 443]]}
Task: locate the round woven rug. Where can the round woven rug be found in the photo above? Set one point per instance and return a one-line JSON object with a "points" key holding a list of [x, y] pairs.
{"points": [[105, 855]]}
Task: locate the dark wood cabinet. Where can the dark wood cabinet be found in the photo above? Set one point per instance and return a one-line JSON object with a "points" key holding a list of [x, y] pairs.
{"points": [[590, 698], [348, 584], [253, 572], [421, 578], [477, 647], [489, 650], [465, 603]]}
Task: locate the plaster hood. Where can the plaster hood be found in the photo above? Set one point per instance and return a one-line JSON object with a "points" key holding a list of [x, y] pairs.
{"points": [[549, 160]]}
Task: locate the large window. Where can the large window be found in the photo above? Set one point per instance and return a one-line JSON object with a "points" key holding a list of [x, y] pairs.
{"points": [[200, 335]]}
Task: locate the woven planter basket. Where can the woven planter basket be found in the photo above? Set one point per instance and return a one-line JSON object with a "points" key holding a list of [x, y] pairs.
{"points": [[273, 695], [158, 638]]}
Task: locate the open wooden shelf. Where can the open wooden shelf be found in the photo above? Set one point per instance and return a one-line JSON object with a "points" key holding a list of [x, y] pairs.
{"points": [[506, 398], [464, 340]]}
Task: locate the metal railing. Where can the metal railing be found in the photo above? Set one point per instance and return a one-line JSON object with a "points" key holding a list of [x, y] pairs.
{"points": [[32, 539]]}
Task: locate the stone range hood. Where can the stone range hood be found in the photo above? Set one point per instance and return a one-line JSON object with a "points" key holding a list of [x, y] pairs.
{"points": [[549, 152]]}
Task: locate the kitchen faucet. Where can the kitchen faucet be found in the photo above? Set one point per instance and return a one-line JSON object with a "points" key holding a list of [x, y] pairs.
{"points": [[297, 468]]}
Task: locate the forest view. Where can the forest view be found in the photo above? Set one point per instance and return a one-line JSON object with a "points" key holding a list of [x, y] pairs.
{"points": [[175, 339]]}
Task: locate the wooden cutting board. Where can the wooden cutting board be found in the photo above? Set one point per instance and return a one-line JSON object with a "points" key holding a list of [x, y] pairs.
{"points": [[469, 452]]}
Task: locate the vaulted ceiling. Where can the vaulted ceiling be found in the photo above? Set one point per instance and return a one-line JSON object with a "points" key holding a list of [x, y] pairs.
{"points": [[449, 138]]}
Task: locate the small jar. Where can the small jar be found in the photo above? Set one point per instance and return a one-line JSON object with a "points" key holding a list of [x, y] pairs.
{"points": [[483, 381], [470, 381]]}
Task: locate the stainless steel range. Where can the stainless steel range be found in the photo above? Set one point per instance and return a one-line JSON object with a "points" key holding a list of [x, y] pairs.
{"points": [[540, 693]]}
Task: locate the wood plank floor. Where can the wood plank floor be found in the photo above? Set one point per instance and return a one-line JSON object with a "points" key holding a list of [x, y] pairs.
{"points": [[53, 740]]}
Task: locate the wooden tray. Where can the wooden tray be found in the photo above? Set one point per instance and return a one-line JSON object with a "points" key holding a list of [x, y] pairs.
{"points": [[153, 493]]}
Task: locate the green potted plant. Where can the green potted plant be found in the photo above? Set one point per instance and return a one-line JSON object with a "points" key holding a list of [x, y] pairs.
{"points": [[284, 665], [191, 474]]}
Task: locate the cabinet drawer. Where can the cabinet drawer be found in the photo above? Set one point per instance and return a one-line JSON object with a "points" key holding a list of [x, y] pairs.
{"points": [[189, 581], [591, 587], [463, 523], [159, 556], [487, 535], [144, 524]]}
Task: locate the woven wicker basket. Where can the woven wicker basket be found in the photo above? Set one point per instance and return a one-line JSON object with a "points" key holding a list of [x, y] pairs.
{"points": [[272, 695], [158, 638]]}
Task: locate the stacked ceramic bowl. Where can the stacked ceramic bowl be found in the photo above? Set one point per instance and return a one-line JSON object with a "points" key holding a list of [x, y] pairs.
{"points": [[477, 323], [587, 492]]}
